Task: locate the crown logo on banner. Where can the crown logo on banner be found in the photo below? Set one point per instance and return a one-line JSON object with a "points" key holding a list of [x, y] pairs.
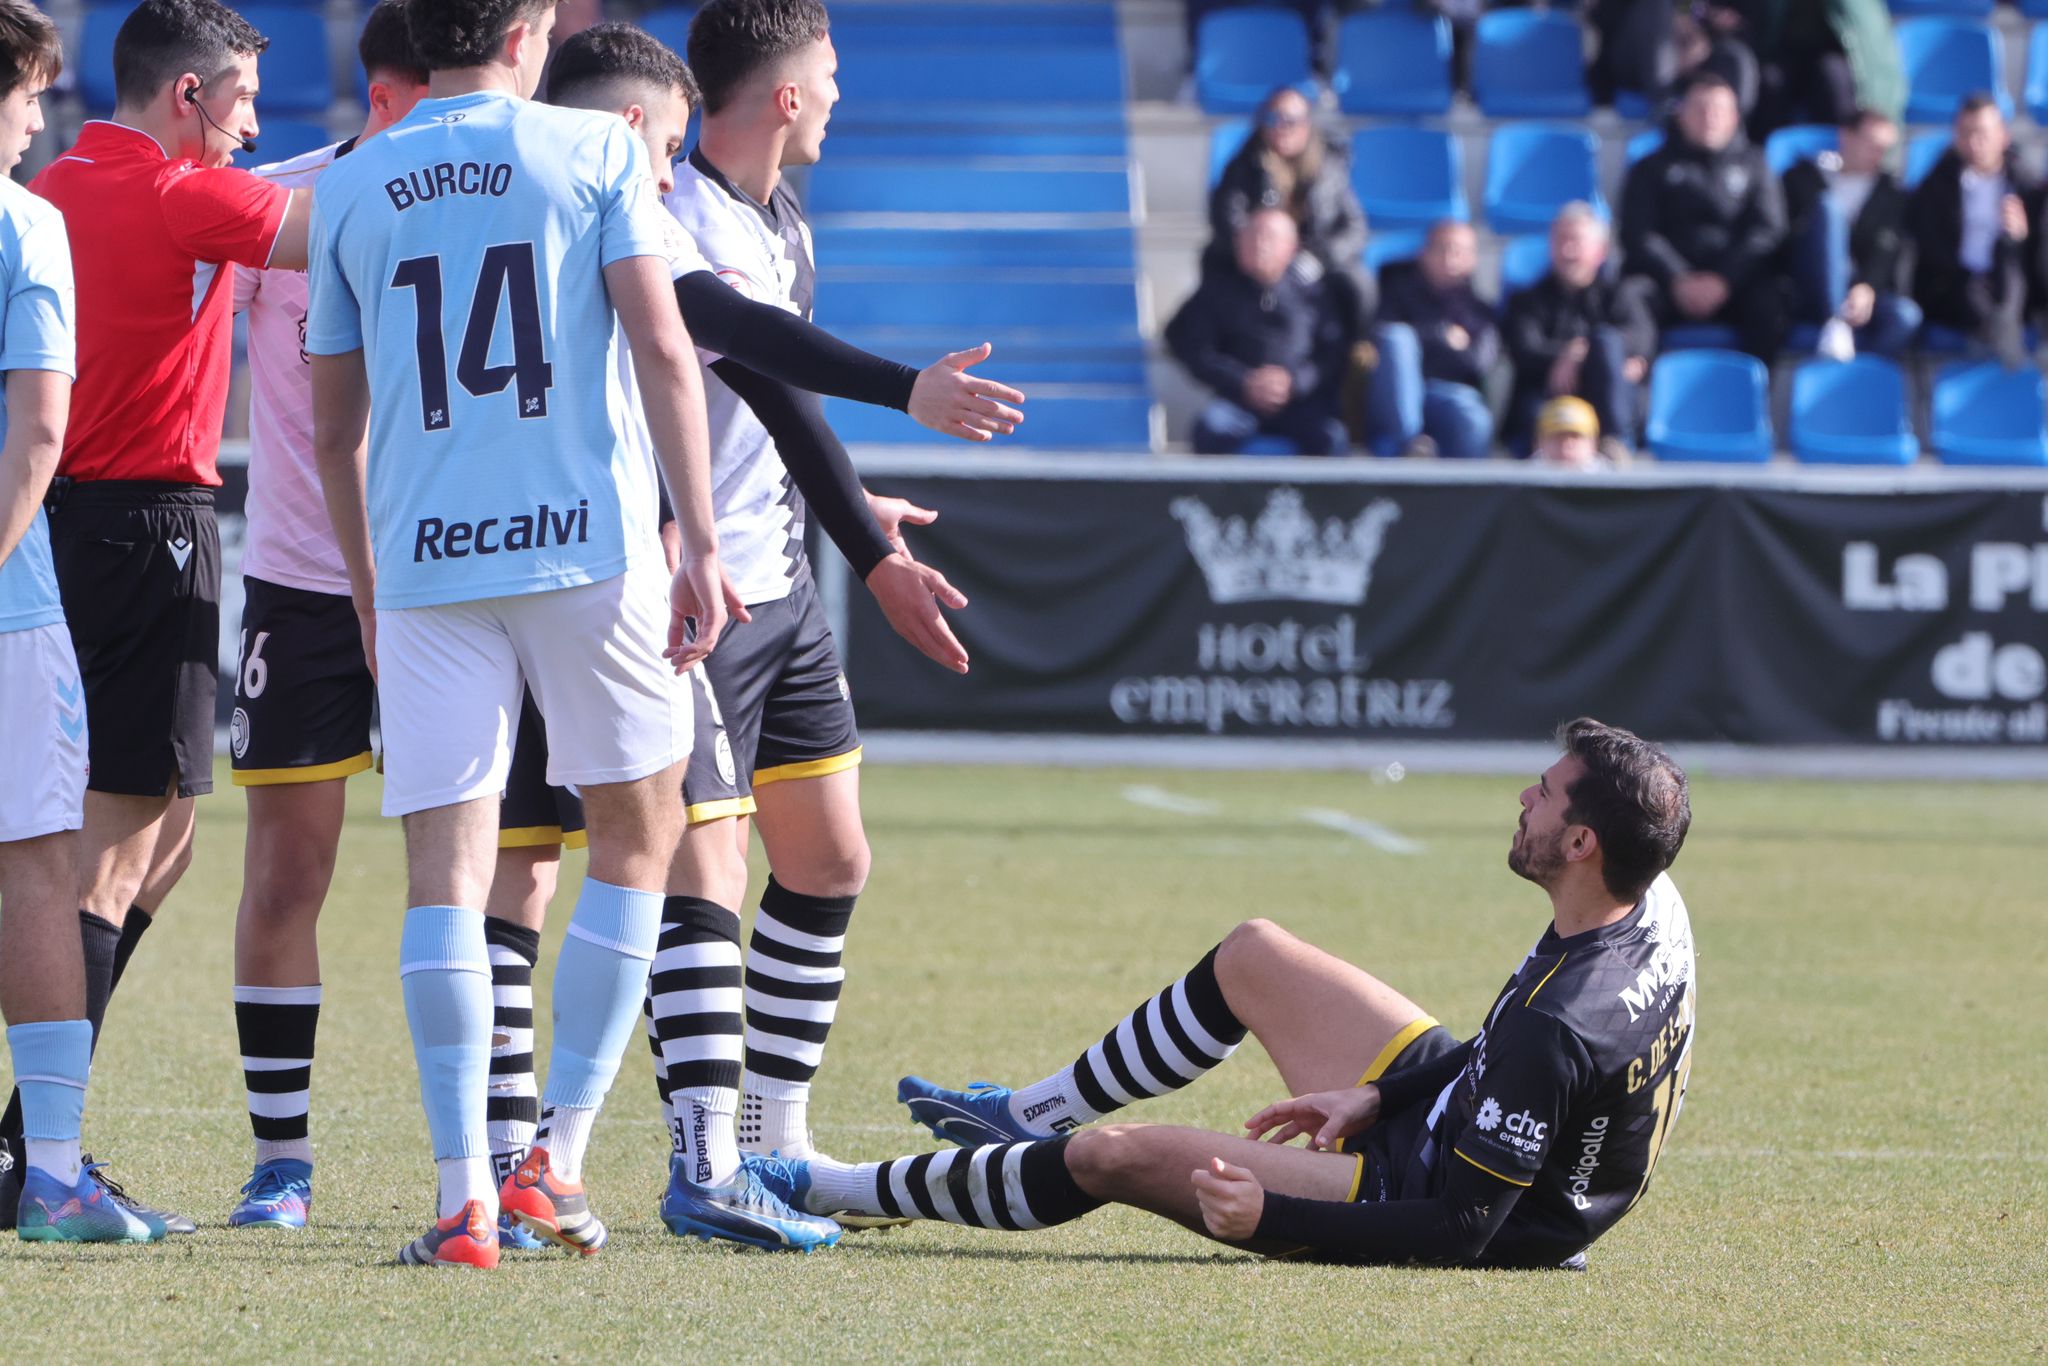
{"points": [[1286, 554]]}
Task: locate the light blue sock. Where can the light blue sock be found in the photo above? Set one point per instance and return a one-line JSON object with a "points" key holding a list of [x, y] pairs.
{"points": [[52, 1060], [444, 970], [600, 983]]}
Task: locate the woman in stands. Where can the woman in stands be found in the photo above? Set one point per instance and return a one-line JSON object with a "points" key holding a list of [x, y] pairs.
{"points": [[1290, 163]]}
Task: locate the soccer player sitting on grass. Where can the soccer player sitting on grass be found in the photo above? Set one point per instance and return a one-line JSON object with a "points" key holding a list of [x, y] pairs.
{"points": [[1517, 1147]]}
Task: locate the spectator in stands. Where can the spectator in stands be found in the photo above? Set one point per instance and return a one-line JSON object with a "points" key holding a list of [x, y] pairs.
{"points": [[1846, 247], [1702, 218], [1577, 331], [1270, 343], [1970, 229], [1568, 433], [1821, 61], [1289, 163], [1439, 353], [1650, 48]]}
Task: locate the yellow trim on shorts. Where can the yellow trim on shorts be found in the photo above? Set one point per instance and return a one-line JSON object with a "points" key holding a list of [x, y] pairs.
{"points": [[1410, 1032], [1357, 1180], [311, 773], [529, 836], [719, 810], [576, 839], [809, 768], [1496, 1175]]}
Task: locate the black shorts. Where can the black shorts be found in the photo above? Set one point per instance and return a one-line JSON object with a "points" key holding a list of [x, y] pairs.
{"points": [[138, 567], [303, 692], [1383, 1149], [783, 702], [534, 813]]}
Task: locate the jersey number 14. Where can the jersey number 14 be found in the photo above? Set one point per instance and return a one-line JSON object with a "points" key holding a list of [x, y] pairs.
{"points": [[507, 274]]}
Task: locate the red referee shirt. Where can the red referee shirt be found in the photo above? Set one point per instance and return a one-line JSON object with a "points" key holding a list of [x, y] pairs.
{"points": [[150, 238]]}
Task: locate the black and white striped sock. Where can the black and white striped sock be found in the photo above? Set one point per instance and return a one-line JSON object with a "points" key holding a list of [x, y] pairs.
{"points": [[1006, 1186], [1161, 1046], [276, 1026], [693, 998], [793, 981], [512, 1104]]}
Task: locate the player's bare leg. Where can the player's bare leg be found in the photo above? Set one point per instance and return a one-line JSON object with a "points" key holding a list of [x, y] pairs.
{"points": [[42, 976], [523, 884], [1325, 1023], [171, 858], [116, 848], [288, 858], [600, 985]]}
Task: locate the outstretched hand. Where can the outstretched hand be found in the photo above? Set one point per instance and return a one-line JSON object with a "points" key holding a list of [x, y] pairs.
{"points": [[946, 398], [1326, 1116], [910, 595], [1231, 1198]]}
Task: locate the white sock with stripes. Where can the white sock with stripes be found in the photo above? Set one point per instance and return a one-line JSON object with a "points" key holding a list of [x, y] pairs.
{"points": [[792, 996], [1012, 1186]]}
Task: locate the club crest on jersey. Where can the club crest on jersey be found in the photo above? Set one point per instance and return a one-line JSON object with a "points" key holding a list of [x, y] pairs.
{"points": [[436, 539], [238, 733], [721, 753]]}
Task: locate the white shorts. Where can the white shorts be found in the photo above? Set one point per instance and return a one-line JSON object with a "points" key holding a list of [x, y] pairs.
{"points": [[449, 680], [43, 763]]}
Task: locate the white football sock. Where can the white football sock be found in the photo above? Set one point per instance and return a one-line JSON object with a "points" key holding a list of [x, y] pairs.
{"points": [[1051, 1106], [777, 1116], [464, 1179], [57, 1156], [565, 1133]]}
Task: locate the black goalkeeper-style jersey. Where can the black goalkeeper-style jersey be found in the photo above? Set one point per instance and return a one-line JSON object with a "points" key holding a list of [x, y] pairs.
{"points": [[1531, 1139], [1572, 1084]]}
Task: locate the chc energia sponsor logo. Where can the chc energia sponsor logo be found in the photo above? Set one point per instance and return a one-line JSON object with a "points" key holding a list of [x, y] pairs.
{"points": [[1298, 665]]}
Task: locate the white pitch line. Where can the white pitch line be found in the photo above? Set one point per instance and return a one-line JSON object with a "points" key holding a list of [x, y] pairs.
{"points": [[1159, 799], [1378, 836]]}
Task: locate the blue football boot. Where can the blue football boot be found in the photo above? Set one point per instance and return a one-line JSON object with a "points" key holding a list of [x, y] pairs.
{"points": [[973, 1118], [743, 1210], [279, 1195]]}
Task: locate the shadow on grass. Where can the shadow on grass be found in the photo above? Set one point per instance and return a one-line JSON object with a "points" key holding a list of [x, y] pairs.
{"points": [[951, 1253]]}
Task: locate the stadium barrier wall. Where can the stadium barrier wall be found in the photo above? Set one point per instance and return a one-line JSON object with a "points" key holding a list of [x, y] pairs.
{"points": [[1343, 601]]}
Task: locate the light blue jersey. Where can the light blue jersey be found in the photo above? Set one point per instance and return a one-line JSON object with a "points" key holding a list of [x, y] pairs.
{"points": [[463, 252], [36, 333]]}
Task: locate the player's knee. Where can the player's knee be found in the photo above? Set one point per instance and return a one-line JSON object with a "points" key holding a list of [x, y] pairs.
{"points": [[1250, 943], [840, 869], [1102, 1158]]}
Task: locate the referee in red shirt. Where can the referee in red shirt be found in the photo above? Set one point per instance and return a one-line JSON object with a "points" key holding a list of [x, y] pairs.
{"points": [[157, 220]]}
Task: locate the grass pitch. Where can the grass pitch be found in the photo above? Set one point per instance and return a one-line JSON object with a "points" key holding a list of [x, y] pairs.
{"points": [[1860, 1171]]}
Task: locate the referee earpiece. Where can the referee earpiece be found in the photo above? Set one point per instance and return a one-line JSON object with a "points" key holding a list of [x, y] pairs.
{"points": [[192, 98]]}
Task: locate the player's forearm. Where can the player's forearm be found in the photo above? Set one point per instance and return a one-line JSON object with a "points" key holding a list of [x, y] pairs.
{"points": [[672, 399], [38, 403], [816, 461], [1452, 1229], [782, 346]]}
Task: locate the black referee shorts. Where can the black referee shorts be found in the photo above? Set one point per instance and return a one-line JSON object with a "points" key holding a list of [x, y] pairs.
{"points": [[138, 567]]}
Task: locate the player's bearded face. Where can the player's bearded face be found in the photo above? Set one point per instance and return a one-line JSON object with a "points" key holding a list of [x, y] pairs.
{"points": [[1537, 851]]}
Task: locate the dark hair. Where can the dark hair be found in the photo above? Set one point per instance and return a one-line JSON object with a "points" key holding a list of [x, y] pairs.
{"points": [[730, 40], [1862, 118], [1633, 798], [1705, 78], [163, 39], [605, 56], [30, 47], [386, 45], [453, 34], [1974, 102]]}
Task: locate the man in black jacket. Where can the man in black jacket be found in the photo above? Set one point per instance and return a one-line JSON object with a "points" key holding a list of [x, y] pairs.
{"points": [[1970, 232], [1702, 219], [1269, 338], [1577, 332], [1439, 353], [1846, 250]]}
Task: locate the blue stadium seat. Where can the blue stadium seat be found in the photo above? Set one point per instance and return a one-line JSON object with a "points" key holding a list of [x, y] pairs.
{"points": [[1523, 261], [1961, 9], [297, 77], [1387, 245], [671, 24], [2034, 9], [1074, 249], [1225, 140], [953, 143], [1922, 151], [1987, 415], [1851, 413], [1242, 55], [1789, 146], [1710, 406], [2035, 93], [1088, 312], [94, 56], [847, 186], [1393, 61], [1408, 177], [958, 86], [1642, 144], [283, 139], [1004, 27], [1263, 444], [1090, 417], [1946, 59], [1697, 337], [1529, 63], [1533, 170]]}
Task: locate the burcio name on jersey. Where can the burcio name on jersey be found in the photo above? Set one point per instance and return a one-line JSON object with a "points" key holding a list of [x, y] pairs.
{"points": [[435, 539], [447, 178]]}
